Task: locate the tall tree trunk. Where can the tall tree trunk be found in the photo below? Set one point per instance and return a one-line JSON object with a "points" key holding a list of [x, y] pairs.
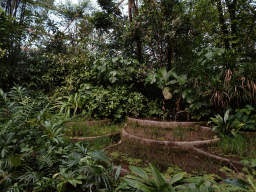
{"points": [[232, 13], [130, 2], [169, 53], [138, 37], [134, 7], [223, 25]]}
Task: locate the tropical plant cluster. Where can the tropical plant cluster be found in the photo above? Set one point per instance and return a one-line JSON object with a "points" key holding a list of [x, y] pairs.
{"points": [[35, 156], [169, 47], [169, 59]]}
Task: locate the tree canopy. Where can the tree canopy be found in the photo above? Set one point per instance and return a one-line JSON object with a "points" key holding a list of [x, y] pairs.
{"points": [[210, 44]]}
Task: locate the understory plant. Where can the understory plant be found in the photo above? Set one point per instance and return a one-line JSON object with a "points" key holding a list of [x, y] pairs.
{"points": [[139, 181], [101, 102], [35, 156], [151, 180], [243, 181], [247, 116], [164, 83], [237, 145], [225, 125]]}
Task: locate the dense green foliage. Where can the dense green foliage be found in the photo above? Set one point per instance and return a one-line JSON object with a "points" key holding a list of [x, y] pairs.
{"points": [[35, 156], [169, 59], [212, 69]]}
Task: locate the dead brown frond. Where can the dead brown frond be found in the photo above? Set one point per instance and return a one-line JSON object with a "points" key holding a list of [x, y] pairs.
{"points": [[218, 99], [251, 87], [228, 77], [243, 82]]}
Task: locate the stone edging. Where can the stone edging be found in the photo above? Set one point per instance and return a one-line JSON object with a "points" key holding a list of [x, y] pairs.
{"points": [[122, 171], [91, 138], [104, 149], [161, 123], [168, 143], [189, 145]]}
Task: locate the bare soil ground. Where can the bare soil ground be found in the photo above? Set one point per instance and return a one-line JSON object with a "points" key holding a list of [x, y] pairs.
{"points": [[165, 157]]}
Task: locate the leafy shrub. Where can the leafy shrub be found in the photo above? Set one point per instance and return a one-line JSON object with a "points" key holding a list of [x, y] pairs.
{"points": [[151, 179], [35, 156], [140, 181], [181, 91], [153, 109], [226, 125], [242, 181], [100, 102], [247, 116], [97, 71]]}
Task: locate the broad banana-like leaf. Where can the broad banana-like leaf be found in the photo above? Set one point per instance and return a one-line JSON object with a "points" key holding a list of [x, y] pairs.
{"points": [[177, 177], [162, 73], [139, 185], [112, 79], [226, 116], [166, 92], [158, 178], [237, 182], [139, 171], [143, 180]]}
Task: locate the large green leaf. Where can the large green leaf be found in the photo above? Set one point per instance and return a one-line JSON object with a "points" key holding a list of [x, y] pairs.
{"points": [[151, 78], [226, 116], [138, 185], [236, 124], [157, 176], [166, 92], [177, 177], [112, 79], [139, 171], [164, 75], [143, 180], [237, 182], [100, 155], [74, 181]]}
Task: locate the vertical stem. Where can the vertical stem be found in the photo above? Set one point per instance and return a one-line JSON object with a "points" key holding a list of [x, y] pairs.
{"points": [[232, 13], [223, 25], [130, 10]]}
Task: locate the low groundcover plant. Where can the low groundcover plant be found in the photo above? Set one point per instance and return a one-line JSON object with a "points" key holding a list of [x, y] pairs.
{"points": [[37, 156]]}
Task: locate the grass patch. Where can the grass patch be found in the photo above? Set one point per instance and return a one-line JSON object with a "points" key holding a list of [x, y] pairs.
{"points": [[242, 145], [124, 157], [179, 133], [100, 143], [83, 129]]}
